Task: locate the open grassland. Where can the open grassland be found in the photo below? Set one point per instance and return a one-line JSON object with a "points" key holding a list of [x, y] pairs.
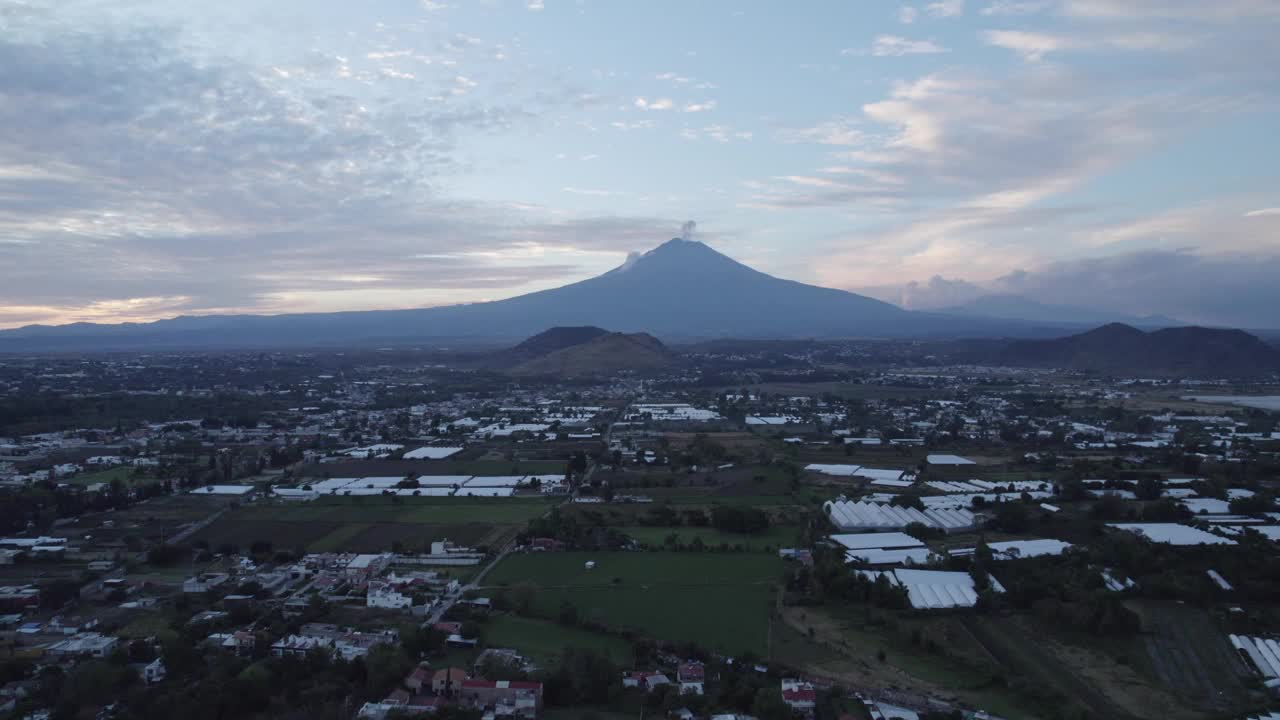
{"points": [[375, 524], [544, 641], [718, 600]]}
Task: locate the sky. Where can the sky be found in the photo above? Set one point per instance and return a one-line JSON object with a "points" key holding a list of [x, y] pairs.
{"points": [[173, 157]]}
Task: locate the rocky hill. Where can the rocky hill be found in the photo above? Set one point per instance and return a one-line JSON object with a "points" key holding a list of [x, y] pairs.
{"points": [[601, 355]]}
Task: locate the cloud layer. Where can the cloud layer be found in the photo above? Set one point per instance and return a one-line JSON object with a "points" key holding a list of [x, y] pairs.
{"points": [[160, 158]]}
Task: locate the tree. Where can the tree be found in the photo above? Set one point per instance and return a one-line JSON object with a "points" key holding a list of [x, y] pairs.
{"points": [[769, 705], [1148, 488], [386, 666], [908, 500], [1011, 517]]}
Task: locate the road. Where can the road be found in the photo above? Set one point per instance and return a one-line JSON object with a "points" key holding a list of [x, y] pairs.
{"points": [[475, 583]]}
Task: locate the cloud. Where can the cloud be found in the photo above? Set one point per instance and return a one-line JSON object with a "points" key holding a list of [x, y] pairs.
{"points": [[1213, 289], [142, 174], [1015, 7], [1220, 289], [655, 104], [627, 126], [840, 131], [535, 5], [1189, 10], [907, 14], [1264, 212], [936, 292], [703, 106], [983, 167], [718, 133], [593, 192], [945, 8], [895, 46], [1033, 46]]}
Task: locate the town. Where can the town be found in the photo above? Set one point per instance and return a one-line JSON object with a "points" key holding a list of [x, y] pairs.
{"points": [[857, 529]]}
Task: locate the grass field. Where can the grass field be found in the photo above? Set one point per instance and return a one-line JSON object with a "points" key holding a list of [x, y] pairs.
{"points": [[544, 641], [119, 472], [775, 537], [718, 600], [375, 524]]}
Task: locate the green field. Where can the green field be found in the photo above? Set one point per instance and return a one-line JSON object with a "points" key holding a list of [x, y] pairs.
{"points": [[718, 600], [375, 523], [775, 537], [544, 642], [119, 472]]}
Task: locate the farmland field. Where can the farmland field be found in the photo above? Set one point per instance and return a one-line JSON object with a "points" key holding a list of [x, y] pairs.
{"points": [[152, 520], [775, 537], [374, 524], [544, 641], [965, 672], [718, 600], [1185, 652], [123, 473]]}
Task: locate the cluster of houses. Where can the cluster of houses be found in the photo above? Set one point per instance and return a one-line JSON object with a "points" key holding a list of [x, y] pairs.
{"points": [[425, 691]]}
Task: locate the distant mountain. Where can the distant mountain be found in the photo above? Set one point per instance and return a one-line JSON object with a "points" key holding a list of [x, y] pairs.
{"points": [[601, 355], [679, 290], [1018, 307], [1123, 349]]}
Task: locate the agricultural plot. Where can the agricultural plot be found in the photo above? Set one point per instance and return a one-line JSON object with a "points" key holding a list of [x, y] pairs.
{"points": [[375, 524], [875, 655], [1191, 657], [720, 601], [1081, 669], [544, 642], [152, 520], [119, 472], [769, 541]]}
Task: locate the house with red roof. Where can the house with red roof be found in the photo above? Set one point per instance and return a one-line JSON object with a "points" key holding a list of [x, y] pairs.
{"points": [[506, 698], [799, 695], [645, 679], [691, 676]]}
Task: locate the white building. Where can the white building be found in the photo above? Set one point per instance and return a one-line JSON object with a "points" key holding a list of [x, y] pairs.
{"points": [[384, 595]]}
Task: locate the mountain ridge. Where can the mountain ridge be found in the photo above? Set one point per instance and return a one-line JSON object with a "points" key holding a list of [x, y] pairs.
{"points": [[679, 290], [1117, 348]]}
